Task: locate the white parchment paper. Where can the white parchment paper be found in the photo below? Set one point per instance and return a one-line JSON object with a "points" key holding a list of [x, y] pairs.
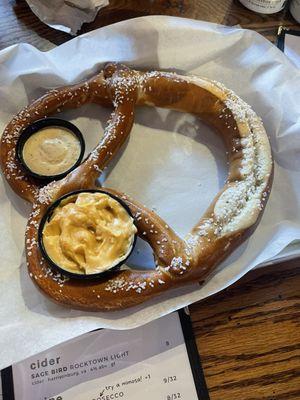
{"points": [[171, 162], [66, 15]]}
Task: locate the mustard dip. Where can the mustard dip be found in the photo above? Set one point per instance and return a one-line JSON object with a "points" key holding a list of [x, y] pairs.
{"points": [[51, 151]]}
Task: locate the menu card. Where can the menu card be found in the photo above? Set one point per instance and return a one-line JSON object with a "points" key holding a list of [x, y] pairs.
{"points": [[157, 361]]}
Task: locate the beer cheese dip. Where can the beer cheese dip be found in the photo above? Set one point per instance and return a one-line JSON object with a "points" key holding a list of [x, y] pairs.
{"points": [[51, 151], [89, 233]]}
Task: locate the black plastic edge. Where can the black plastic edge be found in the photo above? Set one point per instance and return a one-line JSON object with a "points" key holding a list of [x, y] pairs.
{"points": [[7, 384], [193, 355], [282, 31]]}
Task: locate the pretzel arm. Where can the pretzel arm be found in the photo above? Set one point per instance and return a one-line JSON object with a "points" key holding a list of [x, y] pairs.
{"points": [[237, 208], [86, 174], [56, 100]]}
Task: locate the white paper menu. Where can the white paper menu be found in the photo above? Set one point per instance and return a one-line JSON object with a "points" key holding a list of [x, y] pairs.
{"points": [[154, 361]]}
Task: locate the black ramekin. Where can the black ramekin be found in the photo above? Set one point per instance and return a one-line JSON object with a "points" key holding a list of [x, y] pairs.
{"points": [[47, 218], [37, 126]]}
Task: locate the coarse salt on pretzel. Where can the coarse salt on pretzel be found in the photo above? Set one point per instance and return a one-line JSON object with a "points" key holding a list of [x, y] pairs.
{"points": [[229, 220]]}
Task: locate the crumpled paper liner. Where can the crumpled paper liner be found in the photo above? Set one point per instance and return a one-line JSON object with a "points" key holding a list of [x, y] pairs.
{"points": [[66, 15]]}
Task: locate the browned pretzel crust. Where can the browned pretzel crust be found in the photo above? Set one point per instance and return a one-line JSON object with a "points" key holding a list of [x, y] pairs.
{"points": [[229, 220]]}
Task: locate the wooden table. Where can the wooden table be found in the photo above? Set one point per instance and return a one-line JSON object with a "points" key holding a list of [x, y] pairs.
{"points": [[249, 334]]}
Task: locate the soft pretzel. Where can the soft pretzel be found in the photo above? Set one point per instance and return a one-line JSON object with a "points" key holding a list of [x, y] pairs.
{"points": [[229, 220]]}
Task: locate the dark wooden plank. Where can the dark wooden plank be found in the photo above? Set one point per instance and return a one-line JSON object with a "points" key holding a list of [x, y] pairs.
{"points": [[19, 24], [225, 12], [249, 336]]}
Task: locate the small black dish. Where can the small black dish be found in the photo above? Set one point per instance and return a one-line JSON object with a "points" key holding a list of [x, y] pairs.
{"points": [[47, 218], [37, 126]]}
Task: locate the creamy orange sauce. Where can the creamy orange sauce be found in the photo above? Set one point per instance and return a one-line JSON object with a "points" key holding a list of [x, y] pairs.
{"points": [[89, 233], [51, 151]]}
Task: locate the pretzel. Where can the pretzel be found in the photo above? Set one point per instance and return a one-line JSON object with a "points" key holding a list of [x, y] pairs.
{"points": [[229, 220]]}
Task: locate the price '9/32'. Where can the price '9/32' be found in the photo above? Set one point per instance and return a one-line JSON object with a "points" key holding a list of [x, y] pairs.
{"points": [[174, 396], [169, 379]]}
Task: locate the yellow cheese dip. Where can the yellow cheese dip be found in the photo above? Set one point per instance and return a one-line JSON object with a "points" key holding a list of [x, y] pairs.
{"points": [[51, 151], [89, 233]]}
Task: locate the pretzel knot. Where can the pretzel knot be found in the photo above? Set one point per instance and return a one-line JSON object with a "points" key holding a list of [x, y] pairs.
{"points": [[229, 220]]}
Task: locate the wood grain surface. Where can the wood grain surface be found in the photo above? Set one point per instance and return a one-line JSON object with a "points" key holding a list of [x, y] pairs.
{"points": [[249, 334], [19, 24]]}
